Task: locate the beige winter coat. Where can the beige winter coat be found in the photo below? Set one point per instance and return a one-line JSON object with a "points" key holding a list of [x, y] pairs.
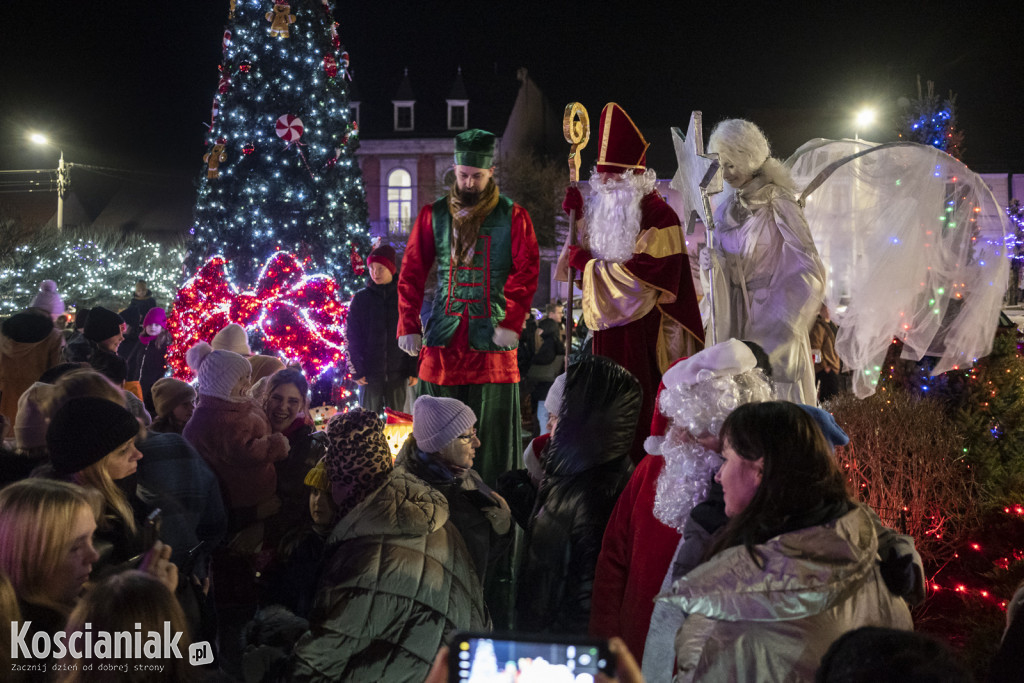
{"points": [[21, 364], [746, 623]]}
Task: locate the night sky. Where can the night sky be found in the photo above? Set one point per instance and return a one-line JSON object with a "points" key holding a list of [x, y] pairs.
{"points": [[129, 84]]}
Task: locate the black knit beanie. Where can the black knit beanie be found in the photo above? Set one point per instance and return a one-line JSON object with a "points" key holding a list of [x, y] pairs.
{"points": [[85, 430], [102, 324], [82, 318]]}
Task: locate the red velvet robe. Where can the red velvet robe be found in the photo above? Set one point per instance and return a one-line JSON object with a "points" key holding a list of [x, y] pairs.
{"points": [[636, 552], [672, 328]]}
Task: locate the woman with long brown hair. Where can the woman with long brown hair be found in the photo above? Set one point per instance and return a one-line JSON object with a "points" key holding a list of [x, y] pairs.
{"points": [[795, 567]]}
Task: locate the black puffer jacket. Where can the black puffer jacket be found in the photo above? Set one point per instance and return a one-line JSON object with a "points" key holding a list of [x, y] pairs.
{"points": [[373, 350], [486, 527], [584, 472]]}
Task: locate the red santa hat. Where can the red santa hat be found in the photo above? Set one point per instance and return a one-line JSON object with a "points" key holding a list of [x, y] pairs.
{"points": [[621, 145], [725, 359]]}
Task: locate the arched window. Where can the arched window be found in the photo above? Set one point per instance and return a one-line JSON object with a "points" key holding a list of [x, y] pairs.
{"points": [[399, 201]]}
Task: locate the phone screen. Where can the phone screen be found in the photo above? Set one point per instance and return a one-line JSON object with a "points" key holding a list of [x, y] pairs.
{"points": [[494, 659]]}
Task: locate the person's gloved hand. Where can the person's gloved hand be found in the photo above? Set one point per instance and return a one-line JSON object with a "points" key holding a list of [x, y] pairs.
{"points": [[898, 573], [411, 344], [504, 336], [704, 259], [578, 257], [573, 201]]}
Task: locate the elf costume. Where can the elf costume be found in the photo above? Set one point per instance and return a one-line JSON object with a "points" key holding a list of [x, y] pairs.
{"points": [[482, 285]]}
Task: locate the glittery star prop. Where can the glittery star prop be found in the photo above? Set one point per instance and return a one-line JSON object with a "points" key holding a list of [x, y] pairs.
{"points": [[698, 176]]}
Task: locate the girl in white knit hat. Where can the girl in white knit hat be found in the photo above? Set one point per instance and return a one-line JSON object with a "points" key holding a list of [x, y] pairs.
{"points": [[233, 434]]}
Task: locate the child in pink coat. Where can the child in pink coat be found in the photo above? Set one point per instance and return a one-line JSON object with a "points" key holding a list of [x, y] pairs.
{"points": [[233, 434]]}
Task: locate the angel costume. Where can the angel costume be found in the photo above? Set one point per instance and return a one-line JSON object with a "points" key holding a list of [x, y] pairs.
{"points": [[769, 282]]}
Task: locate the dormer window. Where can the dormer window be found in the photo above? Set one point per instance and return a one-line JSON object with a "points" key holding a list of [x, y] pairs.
{"points": [[457, 114], [404, 116]]}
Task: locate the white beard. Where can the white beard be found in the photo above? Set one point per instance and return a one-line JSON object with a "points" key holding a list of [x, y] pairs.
{"points": [[685, 479], [613, 213], [700, 409]]}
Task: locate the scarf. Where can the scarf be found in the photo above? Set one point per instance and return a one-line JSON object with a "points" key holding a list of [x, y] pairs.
{"points": [[466, 220]]}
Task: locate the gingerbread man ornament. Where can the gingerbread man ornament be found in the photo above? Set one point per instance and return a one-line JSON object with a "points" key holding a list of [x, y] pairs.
{"points": [[281, 17], [214, 158]]}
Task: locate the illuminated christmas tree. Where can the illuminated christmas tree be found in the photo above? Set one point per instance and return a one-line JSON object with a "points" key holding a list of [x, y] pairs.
{"points": [[280, 171], [930, 120]]}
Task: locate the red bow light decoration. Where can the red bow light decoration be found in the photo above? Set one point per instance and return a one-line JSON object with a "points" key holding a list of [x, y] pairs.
{"points": [[299, 316]]}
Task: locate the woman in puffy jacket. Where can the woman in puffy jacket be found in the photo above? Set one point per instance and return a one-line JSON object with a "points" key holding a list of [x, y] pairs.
{"points": [[585, 469], [397, 577], [795, 567]]}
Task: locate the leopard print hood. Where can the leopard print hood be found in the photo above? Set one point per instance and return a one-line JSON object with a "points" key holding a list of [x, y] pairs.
{"points": [[358, 459]]}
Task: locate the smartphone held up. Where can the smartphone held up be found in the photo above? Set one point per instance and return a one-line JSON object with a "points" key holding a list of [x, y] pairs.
{"points": [[496, 658]]}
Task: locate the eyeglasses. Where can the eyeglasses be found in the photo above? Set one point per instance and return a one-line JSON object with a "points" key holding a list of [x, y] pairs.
{"points": [[466, 438]]}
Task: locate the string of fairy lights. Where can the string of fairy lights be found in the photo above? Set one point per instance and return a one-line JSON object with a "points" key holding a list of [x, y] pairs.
{"points": [[1015, 237], [90, 271], [300, 317]]}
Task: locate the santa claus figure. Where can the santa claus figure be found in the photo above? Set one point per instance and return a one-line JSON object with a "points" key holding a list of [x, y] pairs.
{"points": [[638, 295]]}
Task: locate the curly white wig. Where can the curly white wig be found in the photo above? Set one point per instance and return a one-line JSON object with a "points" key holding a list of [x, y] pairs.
{"points": [[744, 145], [697, 410]]}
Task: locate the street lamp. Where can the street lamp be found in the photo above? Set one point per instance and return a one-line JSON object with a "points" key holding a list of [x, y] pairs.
{"points": [[865, 118], [63, 176]]}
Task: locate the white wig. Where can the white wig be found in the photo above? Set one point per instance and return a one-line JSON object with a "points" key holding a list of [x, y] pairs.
{"points": [[697, 410], [745, 146]]}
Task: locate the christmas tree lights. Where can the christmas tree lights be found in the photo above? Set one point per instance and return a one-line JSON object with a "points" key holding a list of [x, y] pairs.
{"points": [[280, 170], [89, 271], [930, 120], [1015, 236]]}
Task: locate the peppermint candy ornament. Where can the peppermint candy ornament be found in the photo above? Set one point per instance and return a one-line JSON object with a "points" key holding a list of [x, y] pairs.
{"points": [[289, 128]]}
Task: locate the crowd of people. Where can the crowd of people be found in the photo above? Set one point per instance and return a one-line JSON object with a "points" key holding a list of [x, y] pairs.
{"points": [[674, 505]]}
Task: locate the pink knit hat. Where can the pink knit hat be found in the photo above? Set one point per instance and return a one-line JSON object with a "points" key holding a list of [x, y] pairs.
{"points": [[217, 372], [33, 417], [155, 316], [436, 421], [48, 299]]}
